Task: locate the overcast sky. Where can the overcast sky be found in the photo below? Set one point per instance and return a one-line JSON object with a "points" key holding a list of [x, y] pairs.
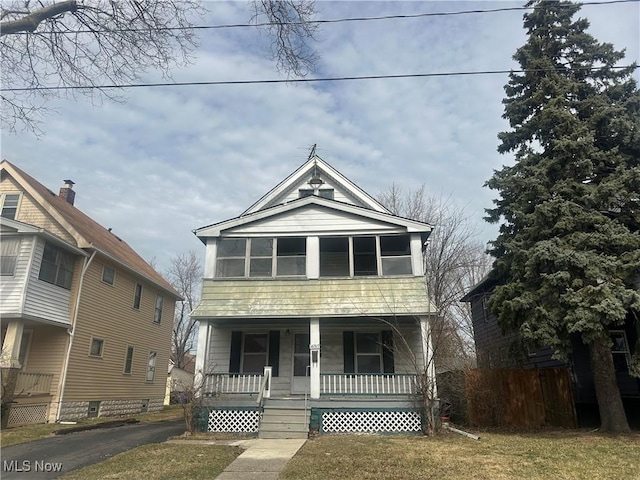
{"points": [[169, 160]]}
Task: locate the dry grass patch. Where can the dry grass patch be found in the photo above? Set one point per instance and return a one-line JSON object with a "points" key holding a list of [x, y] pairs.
{"points": [[558, 455], [162, 462], [27, 433]]}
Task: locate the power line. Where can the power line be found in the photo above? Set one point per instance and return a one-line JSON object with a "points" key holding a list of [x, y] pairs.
{"points": [[327, 21], [307, 80]]}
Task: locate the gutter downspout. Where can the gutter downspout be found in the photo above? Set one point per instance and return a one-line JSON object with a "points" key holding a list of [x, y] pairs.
{"points": [[71, 333]]}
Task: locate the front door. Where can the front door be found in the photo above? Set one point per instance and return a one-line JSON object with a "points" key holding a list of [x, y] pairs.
{"points": [[300, 377]]}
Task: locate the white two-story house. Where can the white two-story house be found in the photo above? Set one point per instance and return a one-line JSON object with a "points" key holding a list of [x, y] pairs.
{"points": [[314, 312]]}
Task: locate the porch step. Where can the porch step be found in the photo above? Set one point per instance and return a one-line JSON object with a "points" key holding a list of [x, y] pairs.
{"points": [[284, 419]]}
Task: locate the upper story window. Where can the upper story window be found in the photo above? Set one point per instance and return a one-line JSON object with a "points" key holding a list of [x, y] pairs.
{"points": [[56, 266], [261, 257], [10, 203], [157, 314], [395, 254], [137, 296], [9, 250], [108, 275], [358, 256]]}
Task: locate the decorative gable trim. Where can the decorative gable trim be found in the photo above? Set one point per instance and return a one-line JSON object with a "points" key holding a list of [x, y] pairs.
{"points": [[299, 178], [215, 230]]}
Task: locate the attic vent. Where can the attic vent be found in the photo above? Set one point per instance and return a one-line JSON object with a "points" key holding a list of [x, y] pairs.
{"points": [[305, 192]]}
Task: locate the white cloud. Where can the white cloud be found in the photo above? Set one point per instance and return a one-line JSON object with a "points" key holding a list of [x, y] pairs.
{"points": [[171, 159]]}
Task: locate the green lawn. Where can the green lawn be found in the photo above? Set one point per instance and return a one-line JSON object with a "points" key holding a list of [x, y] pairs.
{"points": [[557, 455], [26, 433], [162, 462]]}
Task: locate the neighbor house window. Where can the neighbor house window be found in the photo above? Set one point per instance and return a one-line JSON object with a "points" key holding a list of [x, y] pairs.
{"points": [[151, 365], [128, 361], [261, 257], [108, 275], [620, 350], [97, 347], [137, 296], [9, 250], [395, 253], [56, 266], [254, 352], [10, 205], [368, 353], [157, 314]]}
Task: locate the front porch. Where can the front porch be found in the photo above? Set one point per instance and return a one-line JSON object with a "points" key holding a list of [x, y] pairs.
{"points": [[329, 375]]}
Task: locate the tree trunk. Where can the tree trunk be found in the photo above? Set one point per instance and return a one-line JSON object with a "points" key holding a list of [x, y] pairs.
{"points": [[612, 416]]}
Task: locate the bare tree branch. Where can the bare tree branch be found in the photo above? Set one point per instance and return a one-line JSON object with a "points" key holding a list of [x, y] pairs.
{"points": [[185, 274], [81, 44]]}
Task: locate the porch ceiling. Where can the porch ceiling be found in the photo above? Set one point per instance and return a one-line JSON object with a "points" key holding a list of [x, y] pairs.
{"points": [[343, 297]]}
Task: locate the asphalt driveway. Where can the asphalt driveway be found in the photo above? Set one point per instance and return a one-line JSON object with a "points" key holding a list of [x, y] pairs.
{"points": [[54, 456]]}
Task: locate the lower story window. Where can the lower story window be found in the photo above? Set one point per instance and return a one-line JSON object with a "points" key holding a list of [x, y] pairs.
{"points": [[151, 365], [254, 352], [368, 353]]}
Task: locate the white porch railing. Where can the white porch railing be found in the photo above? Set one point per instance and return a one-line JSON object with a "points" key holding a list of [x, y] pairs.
{"points": [[367, 384], [265, 385], [216, 383], [33, 383]]}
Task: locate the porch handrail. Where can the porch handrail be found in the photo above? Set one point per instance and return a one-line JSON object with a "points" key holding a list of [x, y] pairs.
{"points": [[367, 383], [235, 383], [265, 387]]}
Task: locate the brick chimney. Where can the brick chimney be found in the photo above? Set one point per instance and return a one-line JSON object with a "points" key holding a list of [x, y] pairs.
{"points": [[66, 192]]}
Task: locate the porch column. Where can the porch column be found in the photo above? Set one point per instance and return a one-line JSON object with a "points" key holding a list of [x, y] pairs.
{"points": [[10, 357], [429, 367], [314, 351], [204, 333]]}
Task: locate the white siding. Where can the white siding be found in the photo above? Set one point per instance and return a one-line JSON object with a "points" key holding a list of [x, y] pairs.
{"points": [[43, 299], [314, 220], [339, 193], [12, 287], [219, 350]]}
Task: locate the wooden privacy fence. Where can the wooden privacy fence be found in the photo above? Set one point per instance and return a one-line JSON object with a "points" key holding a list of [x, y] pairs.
{"points": [[520, 398]]}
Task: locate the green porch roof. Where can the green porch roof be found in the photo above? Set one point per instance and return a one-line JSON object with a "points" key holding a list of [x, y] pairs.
{"points": [[295, 298]]}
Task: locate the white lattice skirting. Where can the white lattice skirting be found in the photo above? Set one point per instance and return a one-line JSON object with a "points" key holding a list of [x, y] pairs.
{"points": [[28, 414], [370, 422], [234, 421]]}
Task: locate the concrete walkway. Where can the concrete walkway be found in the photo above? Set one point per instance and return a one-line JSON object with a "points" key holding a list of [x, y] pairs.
{"points": [[262, 459]]}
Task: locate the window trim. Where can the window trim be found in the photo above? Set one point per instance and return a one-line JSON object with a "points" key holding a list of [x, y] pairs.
{"points": [[157, 317], [17, 207], [126, 360], [59, 252], [137, 298], [151, 366], [105, 268], [96, 339]]}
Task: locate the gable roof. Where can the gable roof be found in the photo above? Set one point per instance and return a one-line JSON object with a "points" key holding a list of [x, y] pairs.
{"points": [[299, 179], [216, 229], [88, 233]]}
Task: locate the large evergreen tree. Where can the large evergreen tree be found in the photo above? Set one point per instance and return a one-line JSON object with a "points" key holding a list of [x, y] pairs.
{"points": [[568, 251]]}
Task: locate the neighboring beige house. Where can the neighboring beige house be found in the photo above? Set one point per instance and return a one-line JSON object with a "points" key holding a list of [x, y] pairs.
{"points": [[314, 312], [179, 379], [86, 322]]}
